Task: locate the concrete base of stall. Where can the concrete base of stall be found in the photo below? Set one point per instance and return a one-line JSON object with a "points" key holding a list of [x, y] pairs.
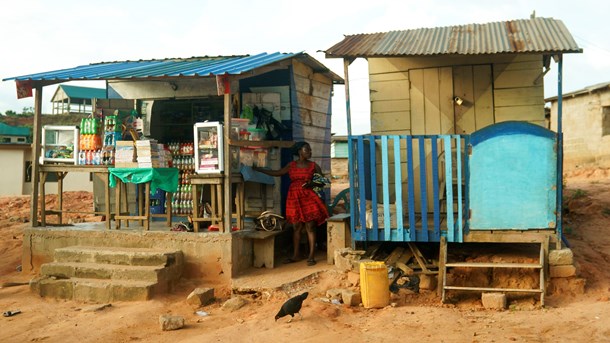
{"points": [[213, 256]]}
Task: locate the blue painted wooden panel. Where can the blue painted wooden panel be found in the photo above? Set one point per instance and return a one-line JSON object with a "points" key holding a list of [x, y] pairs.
{"points": [[383, 172], [512, 177]]}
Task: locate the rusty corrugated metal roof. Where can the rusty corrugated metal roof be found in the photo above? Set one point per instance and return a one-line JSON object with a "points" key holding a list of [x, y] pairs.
{"points": [[537, 35]]}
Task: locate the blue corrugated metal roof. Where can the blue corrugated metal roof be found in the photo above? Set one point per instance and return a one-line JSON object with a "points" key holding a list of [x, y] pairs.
{"points": [[536, 35], [170, 67], [77, 92]]}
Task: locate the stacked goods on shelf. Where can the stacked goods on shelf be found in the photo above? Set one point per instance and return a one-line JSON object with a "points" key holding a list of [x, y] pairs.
{"points": [[208, 160], [112, 134], [90, 142], [183, 159], [125, 155], [150, 154]]}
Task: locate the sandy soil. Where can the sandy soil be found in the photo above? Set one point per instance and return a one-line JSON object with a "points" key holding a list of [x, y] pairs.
{"points": [[420, 318]]}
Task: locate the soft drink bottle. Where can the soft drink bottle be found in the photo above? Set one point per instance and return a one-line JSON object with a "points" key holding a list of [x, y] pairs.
{"points": [[81, 157], [88, 157], [97, 157]]}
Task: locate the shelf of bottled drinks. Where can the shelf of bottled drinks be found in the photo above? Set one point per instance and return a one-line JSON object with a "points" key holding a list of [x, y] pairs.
{"points": [[183, 155]]}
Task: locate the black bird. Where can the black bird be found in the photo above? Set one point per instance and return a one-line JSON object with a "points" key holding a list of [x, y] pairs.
{"points": [[292, 306]]}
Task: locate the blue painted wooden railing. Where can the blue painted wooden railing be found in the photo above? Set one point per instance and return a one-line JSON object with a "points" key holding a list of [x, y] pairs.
{"points": [[431, 191]]}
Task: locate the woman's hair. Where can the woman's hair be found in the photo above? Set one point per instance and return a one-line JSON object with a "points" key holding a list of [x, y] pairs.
{"points": [[297, 146]]}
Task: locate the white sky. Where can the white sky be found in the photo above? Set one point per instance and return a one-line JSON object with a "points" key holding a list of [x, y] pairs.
{"points": [[40, 36]]}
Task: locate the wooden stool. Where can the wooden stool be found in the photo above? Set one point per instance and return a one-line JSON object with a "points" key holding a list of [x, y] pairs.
{"points": [[216, 182]]}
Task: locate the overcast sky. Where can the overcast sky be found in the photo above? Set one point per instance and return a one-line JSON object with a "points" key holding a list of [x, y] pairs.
{"points": [[40, 36]]}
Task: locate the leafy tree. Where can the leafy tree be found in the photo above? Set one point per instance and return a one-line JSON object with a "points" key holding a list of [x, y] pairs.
{"points": [[10, 113], [27, 111]]}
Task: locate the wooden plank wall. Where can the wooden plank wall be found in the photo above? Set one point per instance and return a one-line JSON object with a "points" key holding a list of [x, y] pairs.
{"points": [[313, 103], [500, 88], [518, 90], [518, 93]]}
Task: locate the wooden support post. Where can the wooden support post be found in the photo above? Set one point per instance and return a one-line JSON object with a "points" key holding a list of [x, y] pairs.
{"points": [[43, 207], [140, 204], [196, 199], [106, 178], [117, 203], [36, 135], [147, 206], [442, 260], [125, 200], [168, 208], [226, 227], [60, 194]]}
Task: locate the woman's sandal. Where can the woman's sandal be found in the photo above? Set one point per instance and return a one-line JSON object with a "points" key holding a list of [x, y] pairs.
{"points": [[311, 262], [289, 260]]}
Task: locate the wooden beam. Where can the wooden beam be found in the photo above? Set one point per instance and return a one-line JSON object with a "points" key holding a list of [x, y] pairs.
{"points": [[264, 144], [37, 134], [228, 209]]}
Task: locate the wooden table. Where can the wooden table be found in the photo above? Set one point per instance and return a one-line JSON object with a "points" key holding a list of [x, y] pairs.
{"points": [[62, 170], [163, 178], [216, 182]]}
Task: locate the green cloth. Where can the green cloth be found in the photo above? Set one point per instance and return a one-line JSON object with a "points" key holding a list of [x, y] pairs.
{"points": [[164, 178]]}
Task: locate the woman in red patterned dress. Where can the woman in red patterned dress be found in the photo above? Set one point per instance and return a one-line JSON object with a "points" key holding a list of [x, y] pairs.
{"points": [[304, 208]]}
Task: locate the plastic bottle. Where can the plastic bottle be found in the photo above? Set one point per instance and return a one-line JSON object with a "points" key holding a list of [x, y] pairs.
{"points": [[97, 157], [81, 157], [88, 157]]}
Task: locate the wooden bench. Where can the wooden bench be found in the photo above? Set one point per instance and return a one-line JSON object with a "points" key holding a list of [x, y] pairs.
{"points": [[263, 247]]}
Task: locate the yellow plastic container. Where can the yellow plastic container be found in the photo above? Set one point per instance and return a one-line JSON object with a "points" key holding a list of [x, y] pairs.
{"points": [[374, 284]]}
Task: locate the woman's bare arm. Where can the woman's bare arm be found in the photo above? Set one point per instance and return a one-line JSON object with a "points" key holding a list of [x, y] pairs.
{"points": [[271, 172]]}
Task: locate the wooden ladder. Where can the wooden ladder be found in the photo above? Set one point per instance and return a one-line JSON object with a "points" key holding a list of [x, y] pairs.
{"points": [[444, 265]]}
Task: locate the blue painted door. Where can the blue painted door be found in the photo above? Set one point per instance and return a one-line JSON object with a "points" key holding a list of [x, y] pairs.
{"points": [[513, 177]]}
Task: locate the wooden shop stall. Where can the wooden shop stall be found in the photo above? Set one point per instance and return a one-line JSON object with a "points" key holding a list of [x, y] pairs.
{"points": [[259, 106]]}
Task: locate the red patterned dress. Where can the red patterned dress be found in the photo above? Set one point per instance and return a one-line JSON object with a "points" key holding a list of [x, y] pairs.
{"points": [[302, 204]]}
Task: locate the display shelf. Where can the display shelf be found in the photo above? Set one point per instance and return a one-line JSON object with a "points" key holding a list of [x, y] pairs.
{"points": [[54, 137]]}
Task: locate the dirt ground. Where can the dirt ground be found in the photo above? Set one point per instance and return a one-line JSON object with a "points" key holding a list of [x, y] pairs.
{"points": [[566, 317]]}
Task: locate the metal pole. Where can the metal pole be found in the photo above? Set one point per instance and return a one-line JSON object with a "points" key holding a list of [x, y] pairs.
{"points": [[559, 150]]}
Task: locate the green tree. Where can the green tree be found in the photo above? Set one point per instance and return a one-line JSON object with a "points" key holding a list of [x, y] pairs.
{"points": [[10, 113], [27, 111]]}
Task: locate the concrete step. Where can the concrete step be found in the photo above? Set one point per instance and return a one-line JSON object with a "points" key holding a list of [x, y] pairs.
{"points": [[64, 270], [93, 290], [103, 274], [119, 255]]}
